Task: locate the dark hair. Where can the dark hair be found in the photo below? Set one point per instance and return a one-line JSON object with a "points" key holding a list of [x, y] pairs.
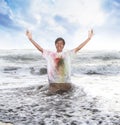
{"points": [[60, 39]]}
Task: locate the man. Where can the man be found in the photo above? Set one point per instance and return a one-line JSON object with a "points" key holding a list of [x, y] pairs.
{"points": [[59, 63]]}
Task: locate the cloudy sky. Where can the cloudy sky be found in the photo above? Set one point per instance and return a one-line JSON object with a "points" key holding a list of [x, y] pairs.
{"points": [[70, 19]]}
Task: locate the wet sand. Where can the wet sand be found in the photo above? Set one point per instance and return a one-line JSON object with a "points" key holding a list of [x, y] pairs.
{"points": [[32, 106]]}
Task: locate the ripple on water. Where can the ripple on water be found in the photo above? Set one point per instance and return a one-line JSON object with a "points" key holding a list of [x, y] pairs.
{"points": [[31, 106]]}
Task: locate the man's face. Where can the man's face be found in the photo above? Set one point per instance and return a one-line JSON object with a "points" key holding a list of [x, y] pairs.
{"points": [[59, 46]]}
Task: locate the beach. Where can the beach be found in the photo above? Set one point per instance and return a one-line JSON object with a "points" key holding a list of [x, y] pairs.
{"points": [[94, 99]]}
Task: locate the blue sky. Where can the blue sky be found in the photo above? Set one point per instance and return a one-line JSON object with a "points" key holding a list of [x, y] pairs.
{"points": [[70, 19]]}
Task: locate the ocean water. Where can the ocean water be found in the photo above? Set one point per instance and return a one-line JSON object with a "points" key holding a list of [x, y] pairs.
{"points": [[95, 99]]}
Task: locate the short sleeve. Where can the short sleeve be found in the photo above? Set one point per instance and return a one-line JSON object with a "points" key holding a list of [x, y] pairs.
{"points": [[72, 53], [45, 53]]}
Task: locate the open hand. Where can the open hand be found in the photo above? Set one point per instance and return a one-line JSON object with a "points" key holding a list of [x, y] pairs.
{"points": [[90, 34], [29, 34]]}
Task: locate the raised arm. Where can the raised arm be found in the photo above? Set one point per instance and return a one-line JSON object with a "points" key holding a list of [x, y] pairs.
{"points": [[29, 35], [90, 34]]}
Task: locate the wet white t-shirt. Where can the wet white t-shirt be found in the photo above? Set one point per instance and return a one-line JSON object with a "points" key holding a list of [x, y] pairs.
{"points": [[59, 66]]}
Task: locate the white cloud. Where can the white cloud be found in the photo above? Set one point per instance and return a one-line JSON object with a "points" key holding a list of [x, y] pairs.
{"points": [[40, 15], [4, 9], [82, 12]]}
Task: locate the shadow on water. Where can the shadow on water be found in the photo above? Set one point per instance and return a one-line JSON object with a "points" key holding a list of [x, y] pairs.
{"points": [[32, 106]]}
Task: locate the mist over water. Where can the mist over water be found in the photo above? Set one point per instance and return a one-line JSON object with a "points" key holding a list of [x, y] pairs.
{"points": [[23, 88]]}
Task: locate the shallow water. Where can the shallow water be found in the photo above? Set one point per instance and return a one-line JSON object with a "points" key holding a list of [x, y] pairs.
{"points": [[31, 106], [23, 90]]}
